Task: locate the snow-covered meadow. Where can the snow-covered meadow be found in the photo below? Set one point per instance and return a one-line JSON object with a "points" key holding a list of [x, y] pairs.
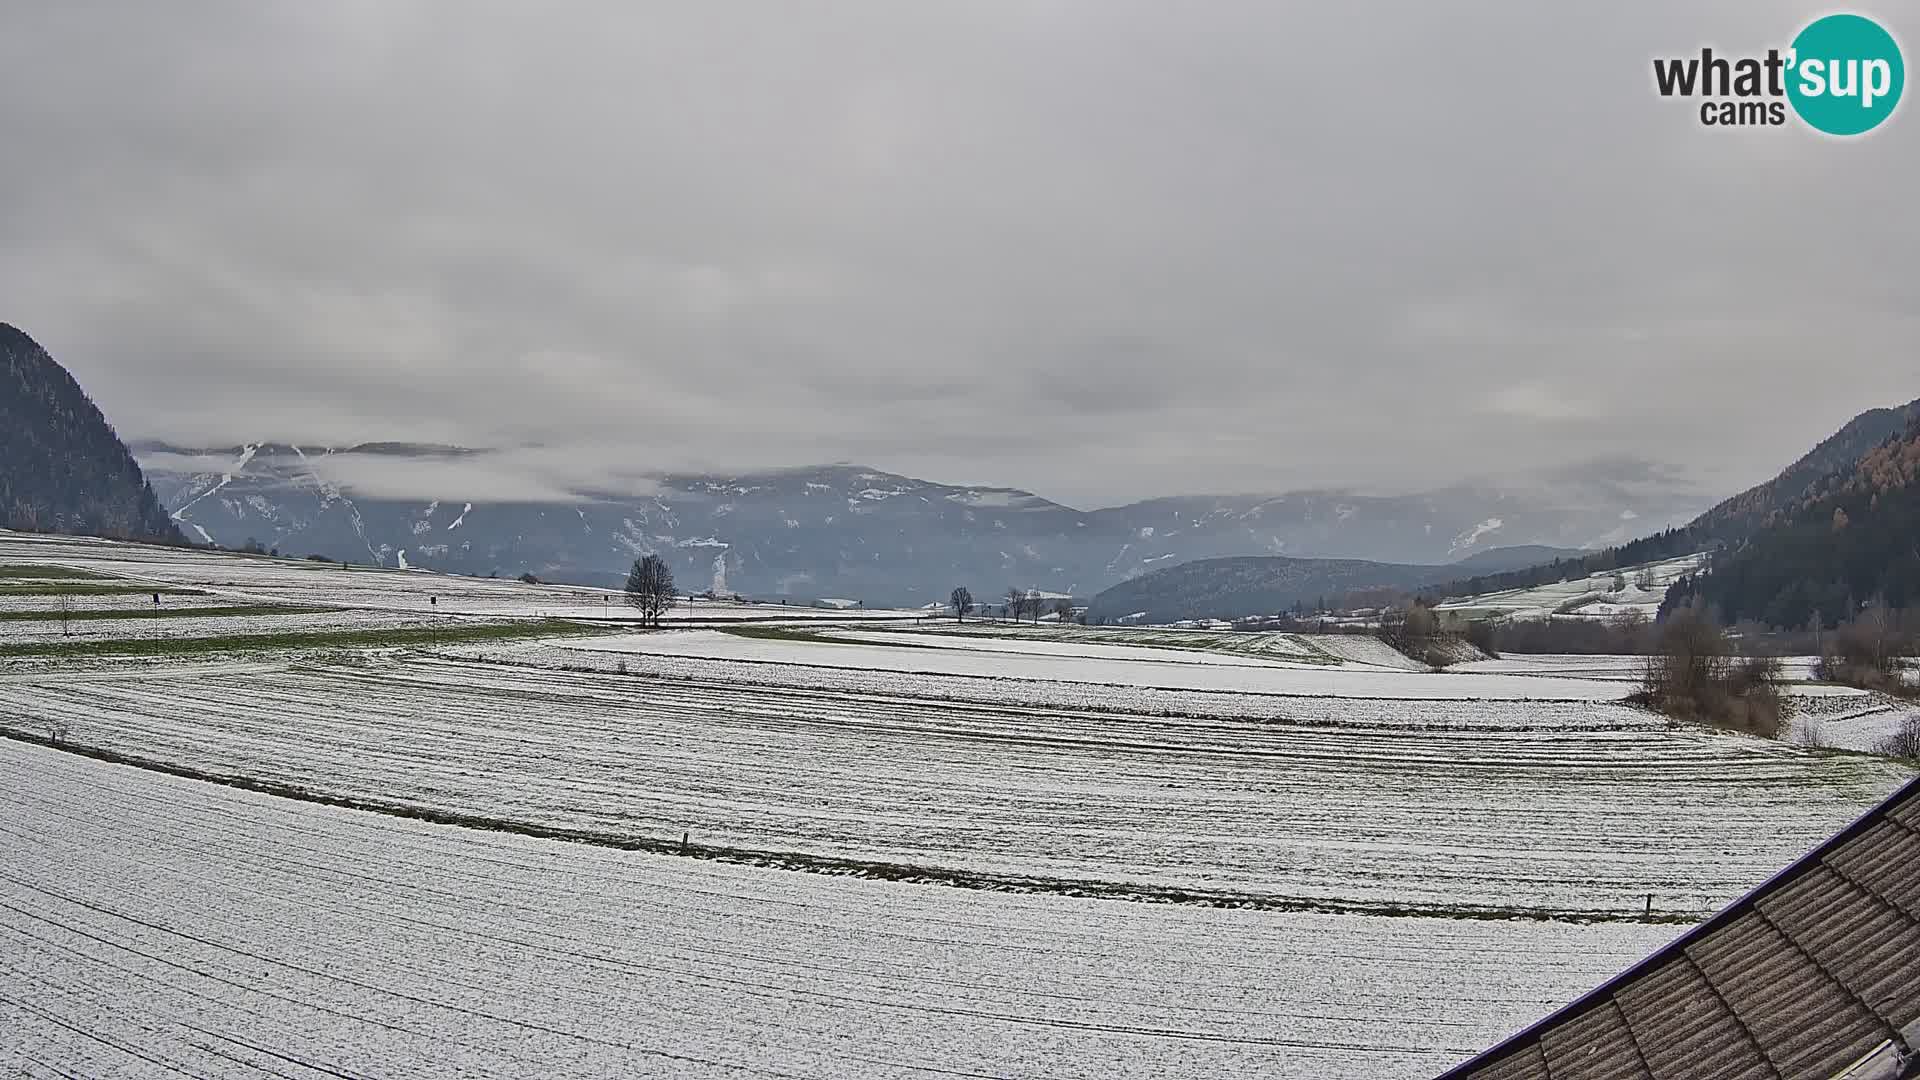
{"points": [[1593, 596], [912, 653], [238, 623], [234, 578], [1348, 806], [156, 926]]}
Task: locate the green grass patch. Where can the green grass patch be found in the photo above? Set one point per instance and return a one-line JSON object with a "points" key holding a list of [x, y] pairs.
{"points": [[89, 588], [802, 633], [313, 639], [774, 633], [42, 570], [79, 614]]}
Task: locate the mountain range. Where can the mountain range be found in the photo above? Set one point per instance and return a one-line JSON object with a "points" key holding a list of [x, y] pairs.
{"points": [[1828, 532], [841, 530]]}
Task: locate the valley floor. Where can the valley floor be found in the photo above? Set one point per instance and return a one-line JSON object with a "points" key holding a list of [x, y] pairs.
{"points": [[822, 848]]}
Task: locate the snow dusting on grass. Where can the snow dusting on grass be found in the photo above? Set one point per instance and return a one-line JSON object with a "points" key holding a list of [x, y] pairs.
{"points": [[382, 833], [157, 926]]}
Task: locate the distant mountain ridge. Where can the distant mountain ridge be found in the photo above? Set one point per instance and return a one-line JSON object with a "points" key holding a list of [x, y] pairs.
{"points": [[1779, 579], [839, 530], [62, 467], [1513, 558], [1728, 523]]}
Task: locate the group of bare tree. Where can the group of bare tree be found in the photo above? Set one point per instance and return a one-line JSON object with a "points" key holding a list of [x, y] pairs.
{"points": [[1020, 603], [1694, 674], [1903, 741], [1026, 602], [1415, 631], [1870, 651]]}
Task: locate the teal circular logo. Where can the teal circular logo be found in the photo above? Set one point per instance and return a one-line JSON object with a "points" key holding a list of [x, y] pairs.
{"points": [[1845, 74]]}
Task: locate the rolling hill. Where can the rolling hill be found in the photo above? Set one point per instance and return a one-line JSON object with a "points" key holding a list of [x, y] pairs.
{"points": [[1241, 587]]}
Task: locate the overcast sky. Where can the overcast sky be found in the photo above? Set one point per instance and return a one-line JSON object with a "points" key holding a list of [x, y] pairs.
{"points": [[1100, 250]]}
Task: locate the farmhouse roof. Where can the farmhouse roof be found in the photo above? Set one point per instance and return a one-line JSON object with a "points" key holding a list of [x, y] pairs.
{"points": [[1814, 974]]}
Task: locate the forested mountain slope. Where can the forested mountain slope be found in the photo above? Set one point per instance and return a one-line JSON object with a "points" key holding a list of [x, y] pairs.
{"points": [[62, 468], [1849, 538]]}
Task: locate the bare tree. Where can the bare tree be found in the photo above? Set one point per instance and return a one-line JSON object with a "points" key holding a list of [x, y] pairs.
{"points": [[962, 601], [1868, 652], [1904, 741], [66, 615], [650, 588], [1063, 609], [1016, 602]]}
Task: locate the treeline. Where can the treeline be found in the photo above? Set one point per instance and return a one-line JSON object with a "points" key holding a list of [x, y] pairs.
{"points": [[1628, 635]]}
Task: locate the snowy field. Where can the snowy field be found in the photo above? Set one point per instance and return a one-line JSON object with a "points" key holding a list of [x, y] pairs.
{"points": [[78, 629], [1016, 644], [1589, 597], [1862, 722], [140, 601], [1039, 693], [938, 655], [1347, 810], [151, 926], [1257, 644], [230, 578], [913, 848], [1795, 670]]}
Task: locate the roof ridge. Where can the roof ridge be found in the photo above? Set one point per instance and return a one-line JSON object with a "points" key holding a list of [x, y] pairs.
{"points": [[1600, 995]]}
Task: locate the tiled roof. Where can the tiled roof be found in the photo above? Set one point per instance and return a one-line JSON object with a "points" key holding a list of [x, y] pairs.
{"points": [[1814, 974]]}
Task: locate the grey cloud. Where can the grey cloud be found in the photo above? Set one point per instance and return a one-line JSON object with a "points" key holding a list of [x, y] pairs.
{"points": [[1098, 249], [520, 474]]}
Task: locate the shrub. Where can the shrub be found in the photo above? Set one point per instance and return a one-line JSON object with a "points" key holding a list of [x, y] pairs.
{"points": [[1415, 632], [1905, 739], [1692, 675]]}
